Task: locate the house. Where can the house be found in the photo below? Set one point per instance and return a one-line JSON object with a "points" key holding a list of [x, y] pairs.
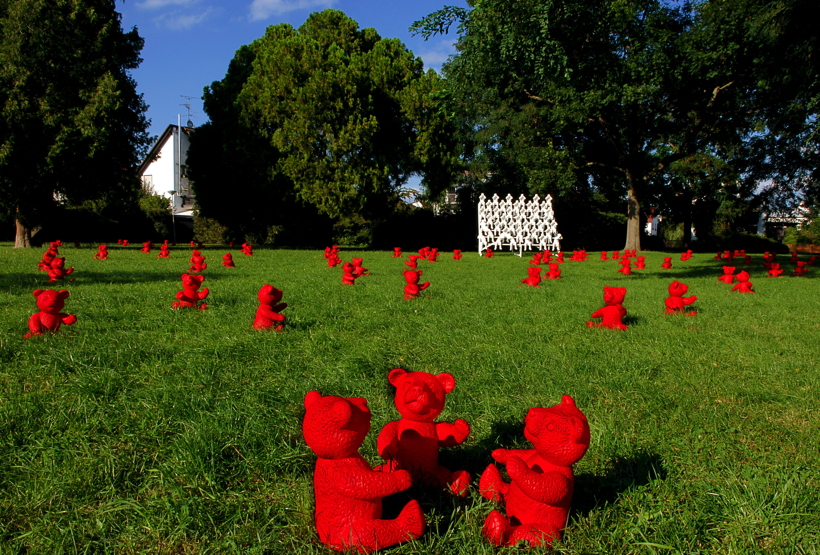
{"points": [[163, 172]]}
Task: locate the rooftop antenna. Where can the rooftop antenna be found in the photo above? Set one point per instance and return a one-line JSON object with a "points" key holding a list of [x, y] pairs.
{"points": [[188, 107]]}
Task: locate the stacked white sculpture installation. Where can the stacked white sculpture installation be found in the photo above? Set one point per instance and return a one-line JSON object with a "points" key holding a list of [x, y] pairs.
{"points": [[518, 224]]}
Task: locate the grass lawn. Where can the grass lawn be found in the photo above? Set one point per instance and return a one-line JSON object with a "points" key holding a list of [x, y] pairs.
{"points": [[141, 429]]}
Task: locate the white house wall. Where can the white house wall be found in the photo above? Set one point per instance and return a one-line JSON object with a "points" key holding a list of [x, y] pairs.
{"points": [[162, 175]]}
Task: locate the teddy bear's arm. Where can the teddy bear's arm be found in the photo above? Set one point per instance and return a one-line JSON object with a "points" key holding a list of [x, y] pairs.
{"points": [[450, 435], [182, 296], [690, 300], [34, 323], [503, 455], [69, 270], [203, 294], [598, 313], [279, 307], [67, 319], [424, 286], [388, 441], [362, 483], [548, 487]]}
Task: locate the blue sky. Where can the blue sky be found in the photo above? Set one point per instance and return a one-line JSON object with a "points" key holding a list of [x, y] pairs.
{"points": [[189, 43]]}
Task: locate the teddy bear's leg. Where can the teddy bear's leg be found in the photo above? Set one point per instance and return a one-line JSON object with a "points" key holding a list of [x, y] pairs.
{"points": [[203, 306], [459, 482], [372, 535], [535, 535], [497, 529], [492, 485]]}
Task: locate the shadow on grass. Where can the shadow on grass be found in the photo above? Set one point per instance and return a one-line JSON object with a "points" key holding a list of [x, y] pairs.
{"points": [[594, 490]]}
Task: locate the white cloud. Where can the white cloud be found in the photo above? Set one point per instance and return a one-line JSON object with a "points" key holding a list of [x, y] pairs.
{"points": [[154, 4], [437, 53], [180, 21], [262, 9]]}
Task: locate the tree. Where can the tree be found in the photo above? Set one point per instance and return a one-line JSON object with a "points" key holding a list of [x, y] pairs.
{"points": [[71, 123], [569, 92]]}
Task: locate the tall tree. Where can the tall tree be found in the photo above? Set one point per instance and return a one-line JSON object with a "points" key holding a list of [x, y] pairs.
{"points": [[573, 91], [72, 125]]}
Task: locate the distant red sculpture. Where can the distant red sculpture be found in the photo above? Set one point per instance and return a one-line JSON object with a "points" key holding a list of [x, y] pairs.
{"points": [[613, 313], [747, 259], [247, 249], [164, 251], [146, 246], [774, 269], [413, 442], [358, 270], [397, 252], [554, 272], [536, 258], [190, 296], [534, 278], [423, 252], [412, 289], [58, 271], [412, 261], [728, 274], [579, 255], [48, 258], [267, 315], [348, 493], [456, 254], [432, 256], [348, 277], [333, 259], [718, 256], [102, 253], [50, 303], [616, 255], [667, 263], [327, 252], [743, 284], [686, 256], [812, 260], [546, 257], [227, 260], [793, 258], [560, 259], [604, 256], [640, 263], [538, 497], [676, 303], [197, 262], [489, 253], [768, 259], [626, 266], [801, 268]]}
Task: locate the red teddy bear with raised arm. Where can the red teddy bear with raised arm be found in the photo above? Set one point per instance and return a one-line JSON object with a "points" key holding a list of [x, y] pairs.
{"points": [[743, 284], [190, 295], [534, 277], [348, 492], [412, 443], [50, 303], [268, 312], [612, 315], [412, 289], [728, 276], [538, 497], [676, 303], [58, 271]]}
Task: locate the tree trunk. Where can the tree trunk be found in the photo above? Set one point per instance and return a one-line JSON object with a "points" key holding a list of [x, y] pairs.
{"points": [[633, 222], [22, 239]]}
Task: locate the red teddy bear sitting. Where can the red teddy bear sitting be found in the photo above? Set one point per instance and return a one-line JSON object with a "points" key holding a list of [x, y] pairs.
{"points": [[676, 303], [197, 262], [102, 253], [358, 269], [728, 276], [412, 443], [58, 270], [268, 312], [190, 295], [348, 275], [534, 277], [50, 303], [347, 491], [613, 313], [554, 272], [456, 254], [539, 495], [743, 284], [227, 260], [412, 289]]}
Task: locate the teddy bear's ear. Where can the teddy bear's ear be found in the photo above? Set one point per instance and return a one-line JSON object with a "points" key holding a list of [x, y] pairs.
{"points": [[311, 398], [37, 292], [200, 278], [63, 294], [184, 276], [447, 380], [567, 400], [395, 374]]}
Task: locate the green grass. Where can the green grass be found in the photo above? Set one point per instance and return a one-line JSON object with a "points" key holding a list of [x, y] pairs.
{"points": [[141, 429]]}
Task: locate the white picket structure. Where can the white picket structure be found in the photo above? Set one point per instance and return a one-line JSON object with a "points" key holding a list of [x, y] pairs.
{"points": [[518, 224]]}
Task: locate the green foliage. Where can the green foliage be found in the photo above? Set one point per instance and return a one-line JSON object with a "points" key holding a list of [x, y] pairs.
{"points": [[71, 121], [157, 209]]}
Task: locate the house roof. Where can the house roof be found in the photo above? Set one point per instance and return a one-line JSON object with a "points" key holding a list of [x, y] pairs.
{"points": [[153, 154]]}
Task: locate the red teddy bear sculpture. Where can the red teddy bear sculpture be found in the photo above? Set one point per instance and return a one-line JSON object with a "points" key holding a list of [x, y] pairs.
{"points": [[227, 260], [640, 264], [348, 277], [554, 272], [396, 252], [197, 262], [743, 284], [190, 295], [247, 249], [102, 253], [146, 246], [50, 303], [58, 271], [774, 269], [534, 278], [347, 491], [412, 289], [676, 303], [536, 258], [667, 263], [612, 315], [412, 443], [412, 261], [489, 253], [801, 269], [626, 266], [538, 497], [358, 269], [268, 312], [456, 254], [164, 251], [728, 276]]}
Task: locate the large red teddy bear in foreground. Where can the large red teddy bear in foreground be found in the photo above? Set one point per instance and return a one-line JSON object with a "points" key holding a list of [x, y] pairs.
{"points": [[412, 289], [540, 492], [676, 303], [612, 315], [348, 492], [268, 312], [50, 303], [412, 443], [190, 295]]}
